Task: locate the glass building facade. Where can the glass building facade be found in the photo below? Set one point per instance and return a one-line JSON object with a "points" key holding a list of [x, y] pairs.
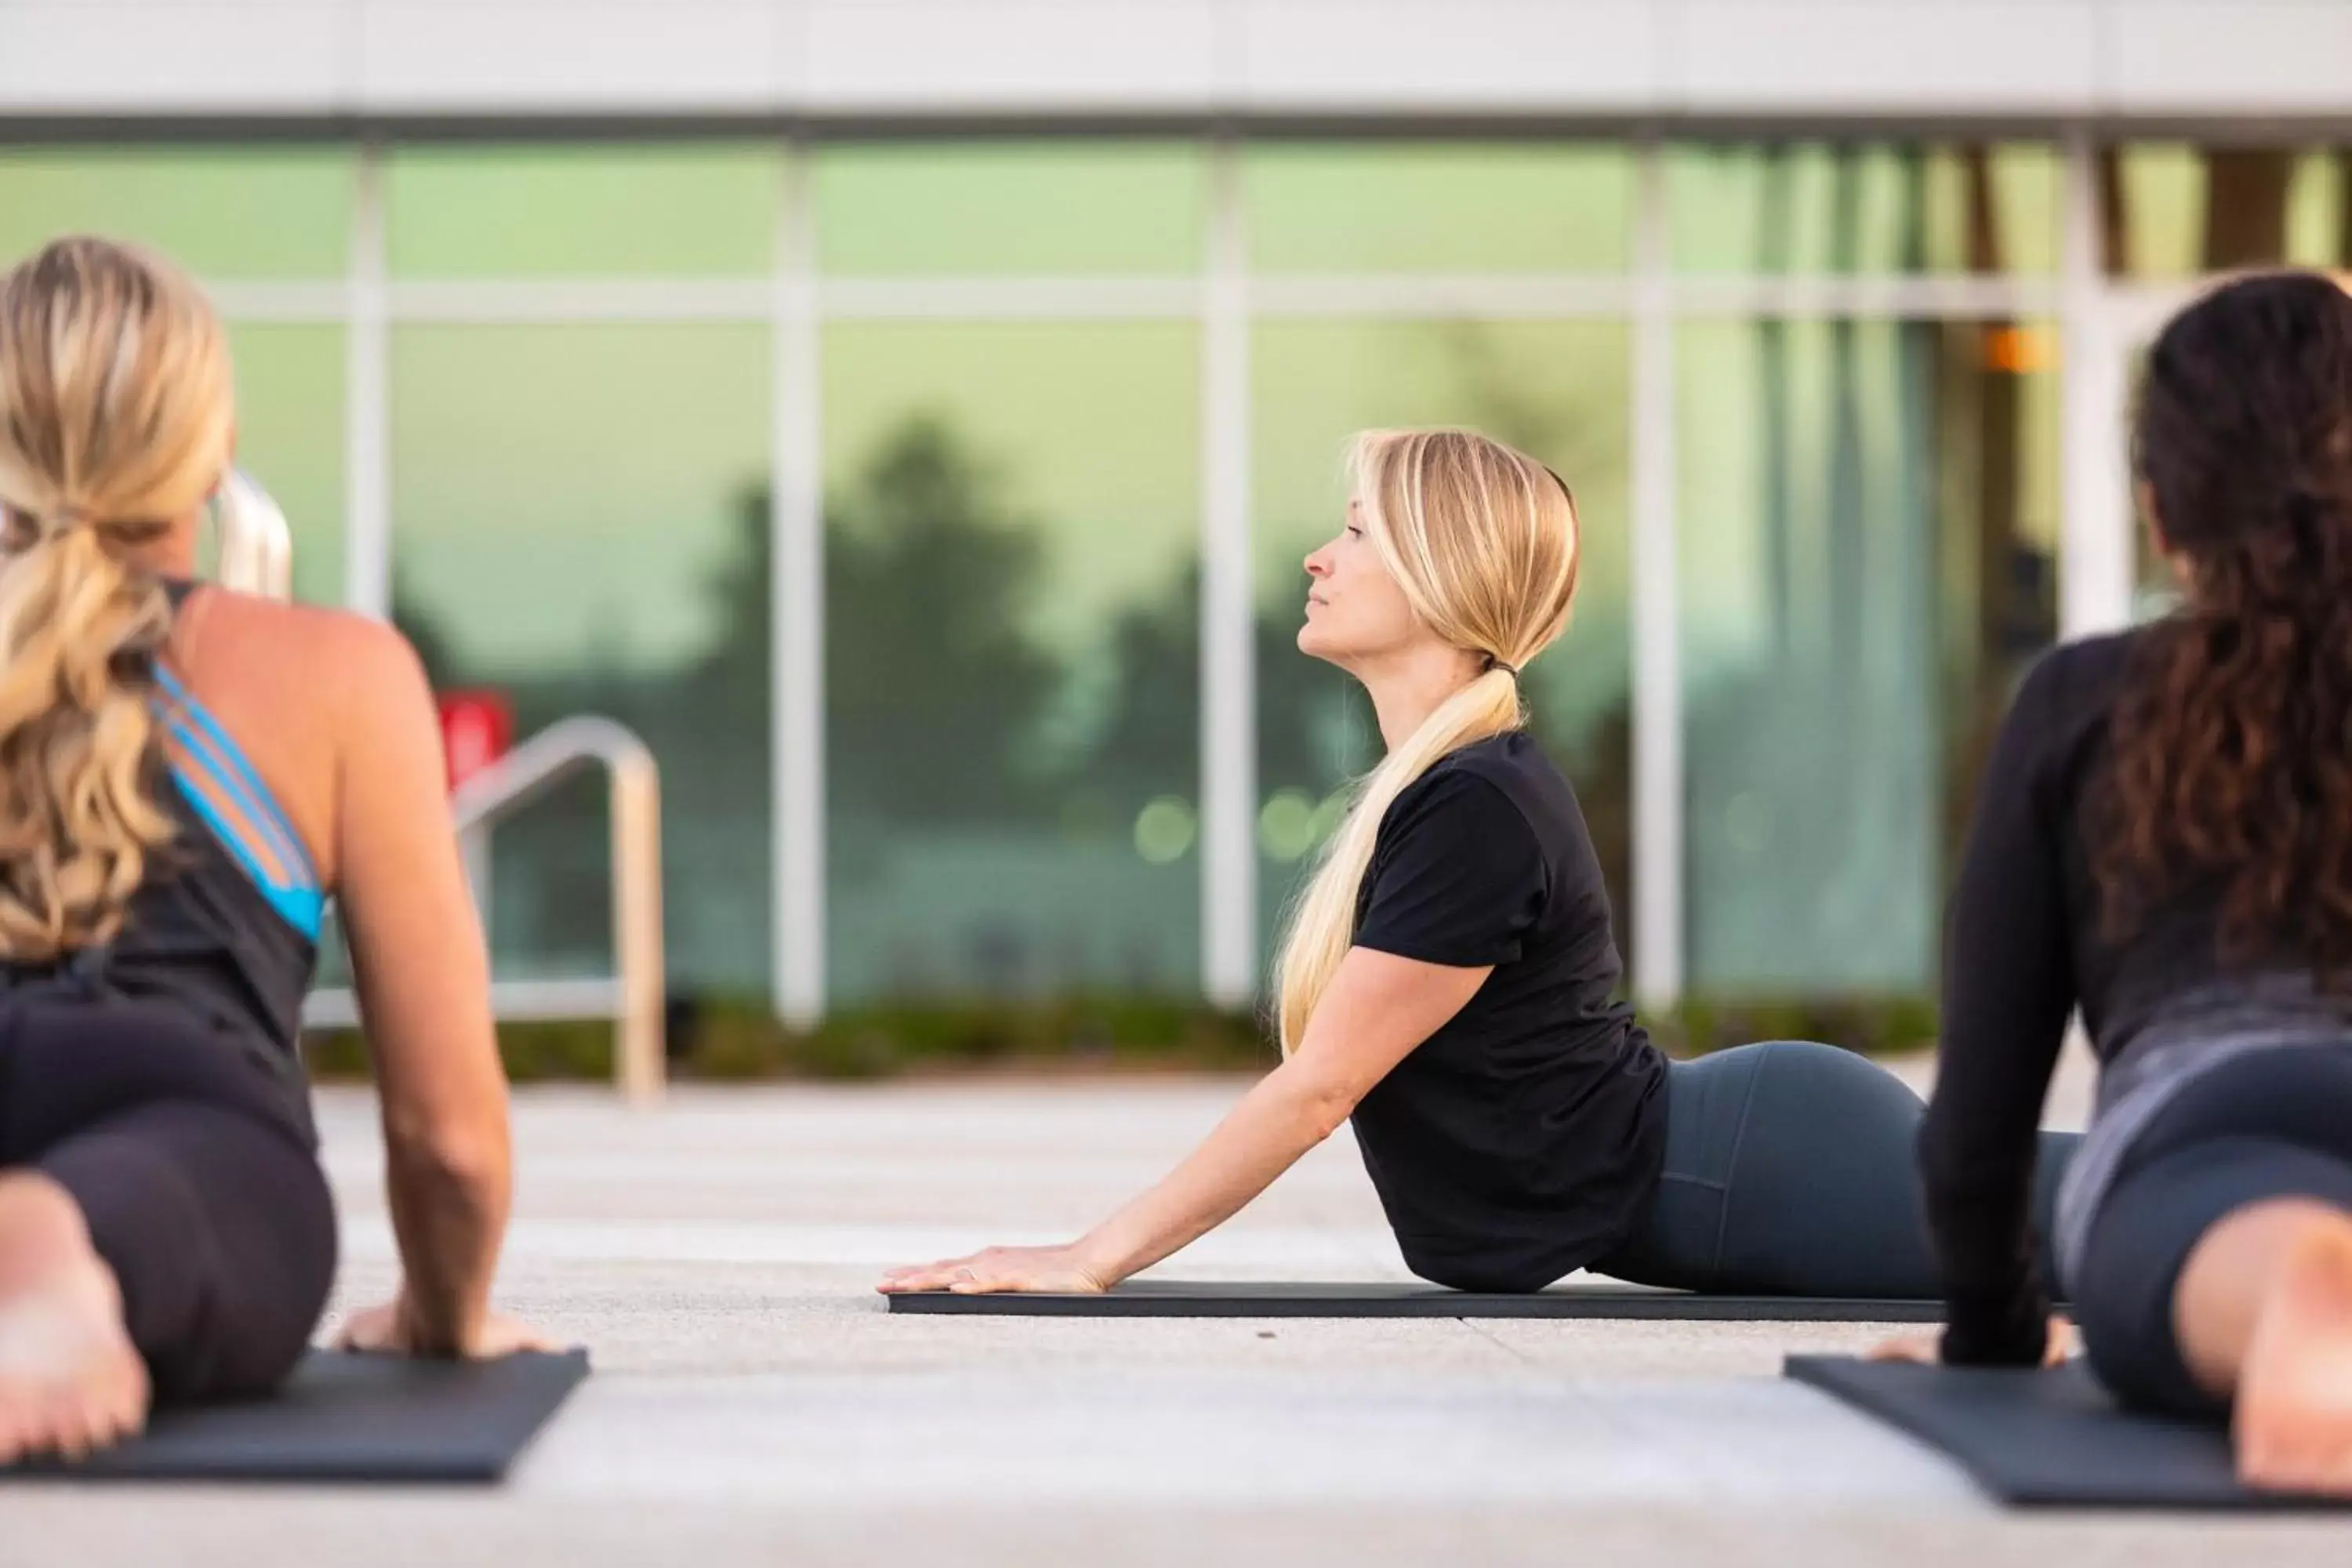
{"points": [[935, 508]]}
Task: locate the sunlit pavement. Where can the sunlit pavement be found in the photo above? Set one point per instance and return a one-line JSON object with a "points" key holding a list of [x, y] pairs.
{"points": [[754, 1403]]}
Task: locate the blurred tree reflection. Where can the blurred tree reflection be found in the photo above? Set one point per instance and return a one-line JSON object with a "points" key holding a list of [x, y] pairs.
{"points": [[946, 712]]}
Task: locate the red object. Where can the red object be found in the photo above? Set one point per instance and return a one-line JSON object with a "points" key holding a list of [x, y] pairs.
{"points": [[477, 729]]}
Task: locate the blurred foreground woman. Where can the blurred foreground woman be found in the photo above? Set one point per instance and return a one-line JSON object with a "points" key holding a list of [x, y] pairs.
{"points": [[187, 775], [2163, 839]]}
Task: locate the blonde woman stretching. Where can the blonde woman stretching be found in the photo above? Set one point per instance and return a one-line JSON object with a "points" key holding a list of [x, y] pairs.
{"points": [[186, 775], [1448, 984]]}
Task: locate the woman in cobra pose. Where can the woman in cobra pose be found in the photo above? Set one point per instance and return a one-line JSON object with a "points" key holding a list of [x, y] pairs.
{"points": [[1449, 983]]}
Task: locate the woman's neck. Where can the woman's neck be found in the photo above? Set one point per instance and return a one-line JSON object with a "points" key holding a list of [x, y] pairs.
{"points": [[1408, 687]]}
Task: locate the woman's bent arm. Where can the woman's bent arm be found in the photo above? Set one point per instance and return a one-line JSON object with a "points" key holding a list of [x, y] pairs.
{"points": [[424, 989]]}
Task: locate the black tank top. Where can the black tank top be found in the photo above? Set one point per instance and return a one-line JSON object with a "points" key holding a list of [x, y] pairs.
{"points": [[201, 934]]}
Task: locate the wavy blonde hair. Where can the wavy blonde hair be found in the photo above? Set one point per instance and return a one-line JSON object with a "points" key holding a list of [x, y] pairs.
{"points": [[1483, 540], [116, 416]]}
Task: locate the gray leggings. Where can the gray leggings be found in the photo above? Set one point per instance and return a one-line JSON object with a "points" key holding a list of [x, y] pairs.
{"points": [[1790, 1171]]}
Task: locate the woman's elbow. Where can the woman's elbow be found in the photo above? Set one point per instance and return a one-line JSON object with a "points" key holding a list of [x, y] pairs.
{"points": [[1322, 1107], [452, 1158]]}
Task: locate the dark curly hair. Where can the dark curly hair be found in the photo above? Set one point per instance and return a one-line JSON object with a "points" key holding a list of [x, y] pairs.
{"points": [[2230, 765]]}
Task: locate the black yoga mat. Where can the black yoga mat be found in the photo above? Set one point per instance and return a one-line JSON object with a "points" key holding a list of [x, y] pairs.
{"points": [[345, 1417], [2047, 1439], [1189, 1298]]}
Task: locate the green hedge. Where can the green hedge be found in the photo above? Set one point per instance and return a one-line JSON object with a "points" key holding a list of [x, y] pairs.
{"points": [[740, 1041], [1874, 1026]]}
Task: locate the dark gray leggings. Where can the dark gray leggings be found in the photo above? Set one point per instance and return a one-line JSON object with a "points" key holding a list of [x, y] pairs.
{"points": [[194, 1172], [1790, 1171], [2271, 1124]]}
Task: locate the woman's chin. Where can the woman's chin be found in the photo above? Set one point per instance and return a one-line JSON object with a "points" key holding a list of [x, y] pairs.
{"points": [[1323, 651]]}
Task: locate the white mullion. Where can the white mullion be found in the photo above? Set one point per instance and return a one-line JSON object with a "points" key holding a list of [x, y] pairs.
{"points": [[1009, 299], [1920, 299], [1424, 297], [2135, 311], [367, 403], [796, 611], [324, 303], [1229, 956], [528, 302], [1494, 296], [1658, 697], [2095, 573]]}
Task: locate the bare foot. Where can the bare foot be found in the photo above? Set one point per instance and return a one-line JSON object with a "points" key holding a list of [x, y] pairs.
{"points": [[70, 1381], [2293, 1421]]}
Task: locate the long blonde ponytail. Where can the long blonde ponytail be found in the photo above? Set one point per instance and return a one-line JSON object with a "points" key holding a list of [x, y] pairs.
{"points": [[116, 413], [1483, 540]]}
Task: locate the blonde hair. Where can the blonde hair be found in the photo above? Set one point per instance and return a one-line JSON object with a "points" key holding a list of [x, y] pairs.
{"points": [[116, 416], [1483, 540]]}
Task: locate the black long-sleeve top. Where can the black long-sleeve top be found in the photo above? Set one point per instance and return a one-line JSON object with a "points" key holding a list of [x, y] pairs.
{"points": [[2023, 951]]}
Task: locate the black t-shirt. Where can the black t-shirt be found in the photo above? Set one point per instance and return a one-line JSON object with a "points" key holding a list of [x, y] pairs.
{"points": [[1519, 1141]]}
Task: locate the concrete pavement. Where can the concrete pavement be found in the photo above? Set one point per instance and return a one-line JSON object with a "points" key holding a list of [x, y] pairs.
{"points": [[754, 1403]]}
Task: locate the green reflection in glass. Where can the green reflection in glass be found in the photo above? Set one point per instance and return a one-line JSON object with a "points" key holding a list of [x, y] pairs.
{"points": [[657, 210], [1867, 553], [982, 208], [2319, 211], [1559, 390], [289, 435], [2183, 210], [246, 212], [1012, 657], [2162, 191], [1439, 207], [580, 520], [1864, 208]]}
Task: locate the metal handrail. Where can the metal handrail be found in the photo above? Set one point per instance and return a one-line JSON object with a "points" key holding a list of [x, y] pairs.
{"points": [[633, 999], [639, 1057], [256, 556]]}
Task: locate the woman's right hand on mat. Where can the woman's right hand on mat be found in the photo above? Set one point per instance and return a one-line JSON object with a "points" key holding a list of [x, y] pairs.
{"points": [[1053, 1271], [2058, 1346], [396, 1328]]}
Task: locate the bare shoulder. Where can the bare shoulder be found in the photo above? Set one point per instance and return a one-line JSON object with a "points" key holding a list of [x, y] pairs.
{"points": [[328, 661], [371, 662], [325, 704]]}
